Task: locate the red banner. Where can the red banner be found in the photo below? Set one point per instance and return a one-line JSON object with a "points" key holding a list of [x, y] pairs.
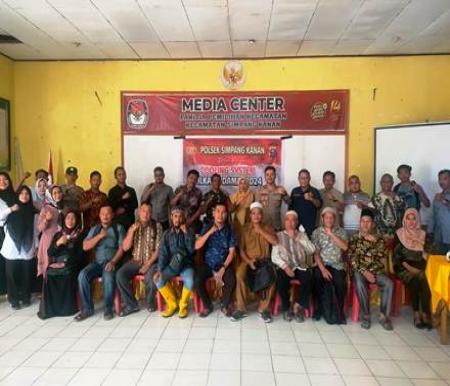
{"points": [[232, 159], [283, 112]]}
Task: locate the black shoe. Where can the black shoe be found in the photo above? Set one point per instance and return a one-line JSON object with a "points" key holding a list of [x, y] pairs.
{"points": [[300, 316], [80, 317], [265, 316], [15, 306], [108, 315], [126, 312], [26, 303], [238, 315], [366, 323], [151, 308]]}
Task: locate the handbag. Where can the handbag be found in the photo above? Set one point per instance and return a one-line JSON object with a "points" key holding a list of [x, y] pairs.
{"points": [[262, 277]]}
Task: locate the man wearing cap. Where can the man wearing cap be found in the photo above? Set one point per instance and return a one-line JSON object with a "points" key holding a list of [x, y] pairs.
{"points": [[254, 246], [368, 253], [176, 257], [290, 256], [71, 191], [219, 240]]}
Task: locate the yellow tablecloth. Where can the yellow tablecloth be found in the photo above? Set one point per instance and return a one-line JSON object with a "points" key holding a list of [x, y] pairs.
{"points": [[438, 273]]}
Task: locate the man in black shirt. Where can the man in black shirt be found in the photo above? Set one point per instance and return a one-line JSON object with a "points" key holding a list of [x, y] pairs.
{"points": [[306, 201], [123, 199]]}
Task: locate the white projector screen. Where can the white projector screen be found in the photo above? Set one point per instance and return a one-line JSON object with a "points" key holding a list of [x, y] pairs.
{"points": [[316, 153], [425, 147]]}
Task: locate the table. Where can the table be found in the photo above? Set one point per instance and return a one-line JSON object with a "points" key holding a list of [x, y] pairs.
{"points": [[438, 273]]}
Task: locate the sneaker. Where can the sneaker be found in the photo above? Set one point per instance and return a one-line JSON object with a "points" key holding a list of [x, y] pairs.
{"points": [[288, 315], [238, 315], [265, 316]]}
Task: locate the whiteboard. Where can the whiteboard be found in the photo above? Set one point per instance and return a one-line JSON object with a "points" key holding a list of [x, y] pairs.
{"points": [[316, 153], [425, 147]]}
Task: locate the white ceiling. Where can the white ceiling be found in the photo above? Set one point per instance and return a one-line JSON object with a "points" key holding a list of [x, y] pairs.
{"points": [[172, 29]]}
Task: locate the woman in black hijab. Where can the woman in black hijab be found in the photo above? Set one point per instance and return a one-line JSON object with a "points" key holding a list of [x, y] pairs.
{"points": [[65, 253], [7, 199], [19, 247]]}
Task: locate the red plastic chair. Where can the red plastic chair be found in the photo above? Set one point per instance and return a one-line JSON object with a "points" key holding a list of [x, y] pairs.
{"points": [[295, 286]]}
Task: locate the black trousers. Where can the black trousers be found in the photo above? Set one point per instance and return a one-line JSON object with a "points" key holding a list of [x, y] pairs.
{"points": [[325, 292], [19, 280], [284, 285], [420, 294], [2, 265], [229, 281]]}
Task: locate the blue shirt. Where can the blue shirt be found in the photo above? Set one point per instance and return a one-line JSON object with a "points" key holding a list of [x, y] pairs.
{"points": [[107, 248], [218, 245], [439, 221]]}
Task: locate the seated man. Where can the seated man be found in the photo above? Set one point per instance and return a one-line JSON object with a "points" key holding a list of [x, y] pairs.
{"points": [[254, 247], [106, 238], [367, 253], [143, 238], [290, 255], [219, 240], [176, 257]]}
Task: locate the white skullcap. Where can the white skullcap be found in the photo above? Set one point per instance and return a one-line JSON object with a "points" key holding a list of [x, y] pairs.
{"points": [[254, 205], [291, 212]]}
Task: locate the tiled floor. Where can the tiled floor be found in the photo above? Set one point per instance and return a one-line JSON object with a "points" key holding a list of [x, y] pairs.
{"points": [[149, 350]]}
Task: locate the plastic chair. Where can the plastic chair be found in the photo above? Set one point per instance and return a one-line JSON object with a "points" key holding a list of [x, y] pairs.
{"points": [[295, 286]]}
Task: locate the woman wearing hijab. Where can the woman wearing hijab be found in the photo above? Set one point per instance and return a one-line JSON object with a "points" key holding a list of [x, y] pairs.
{"points": [[59, 290], [39, 193], [50, 219], [19, 248], [240, 204], [409, 265], [330, 275], [8, 200]]}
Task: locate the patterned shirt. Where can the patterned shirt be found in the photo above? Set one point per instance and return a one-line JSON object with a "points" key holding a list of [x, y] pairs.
{"points": [[292, 252], [388, 213], [146, 241], [190, 200], [213, 198], [330, 252], [91, 215], [218, 245], [367, 255]]}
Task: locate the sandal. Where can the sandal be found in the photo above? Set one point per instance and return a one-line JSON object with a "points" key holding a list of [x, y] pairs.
{"points": [[206, 312]]}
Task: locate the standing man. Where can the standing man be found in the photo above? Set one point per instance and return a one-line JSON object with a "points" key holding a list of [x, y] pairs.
{"points": [[215, 196], [306, 202], [254, 247], [331, 197], [368, 253], [176, 257], [158, 194], [106, 239], [439, 221], [123, 199], [355, 200], [271, 196], [410, 191], [143, 238], [220, 243], [71, 191], [188, 197], [92, 200]]}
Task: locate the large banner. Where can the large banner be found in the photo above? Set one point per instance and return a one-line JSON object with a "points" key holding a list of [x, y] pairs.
{"points": [[232, 159], [283, 112]]}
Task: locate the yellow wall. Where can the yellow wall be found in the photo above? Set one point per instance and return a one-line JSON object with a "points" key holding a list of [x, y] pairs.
{"points": [[7, 83], [57, 107]]}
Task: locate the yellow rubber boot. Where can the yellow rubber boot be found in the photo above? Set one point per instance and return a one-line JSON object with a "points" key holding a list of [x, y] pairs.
{"points": [[185, 295], [170, 299]]}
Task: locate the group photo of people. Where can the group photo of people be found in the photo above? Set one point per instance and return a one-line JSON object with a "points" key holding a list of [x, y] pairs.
{"points": [[314, 252]]}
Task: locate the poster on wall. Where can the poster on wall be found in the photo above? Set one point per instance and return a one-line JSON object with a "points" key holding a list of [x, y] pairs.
{"points": [[232, 159], [231, 113]]}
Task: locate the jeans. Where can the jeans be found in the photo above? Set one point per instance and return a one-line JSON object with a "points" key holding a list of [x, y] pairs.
{"points": [[124, 277], [87, 274], [187, 274]]}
